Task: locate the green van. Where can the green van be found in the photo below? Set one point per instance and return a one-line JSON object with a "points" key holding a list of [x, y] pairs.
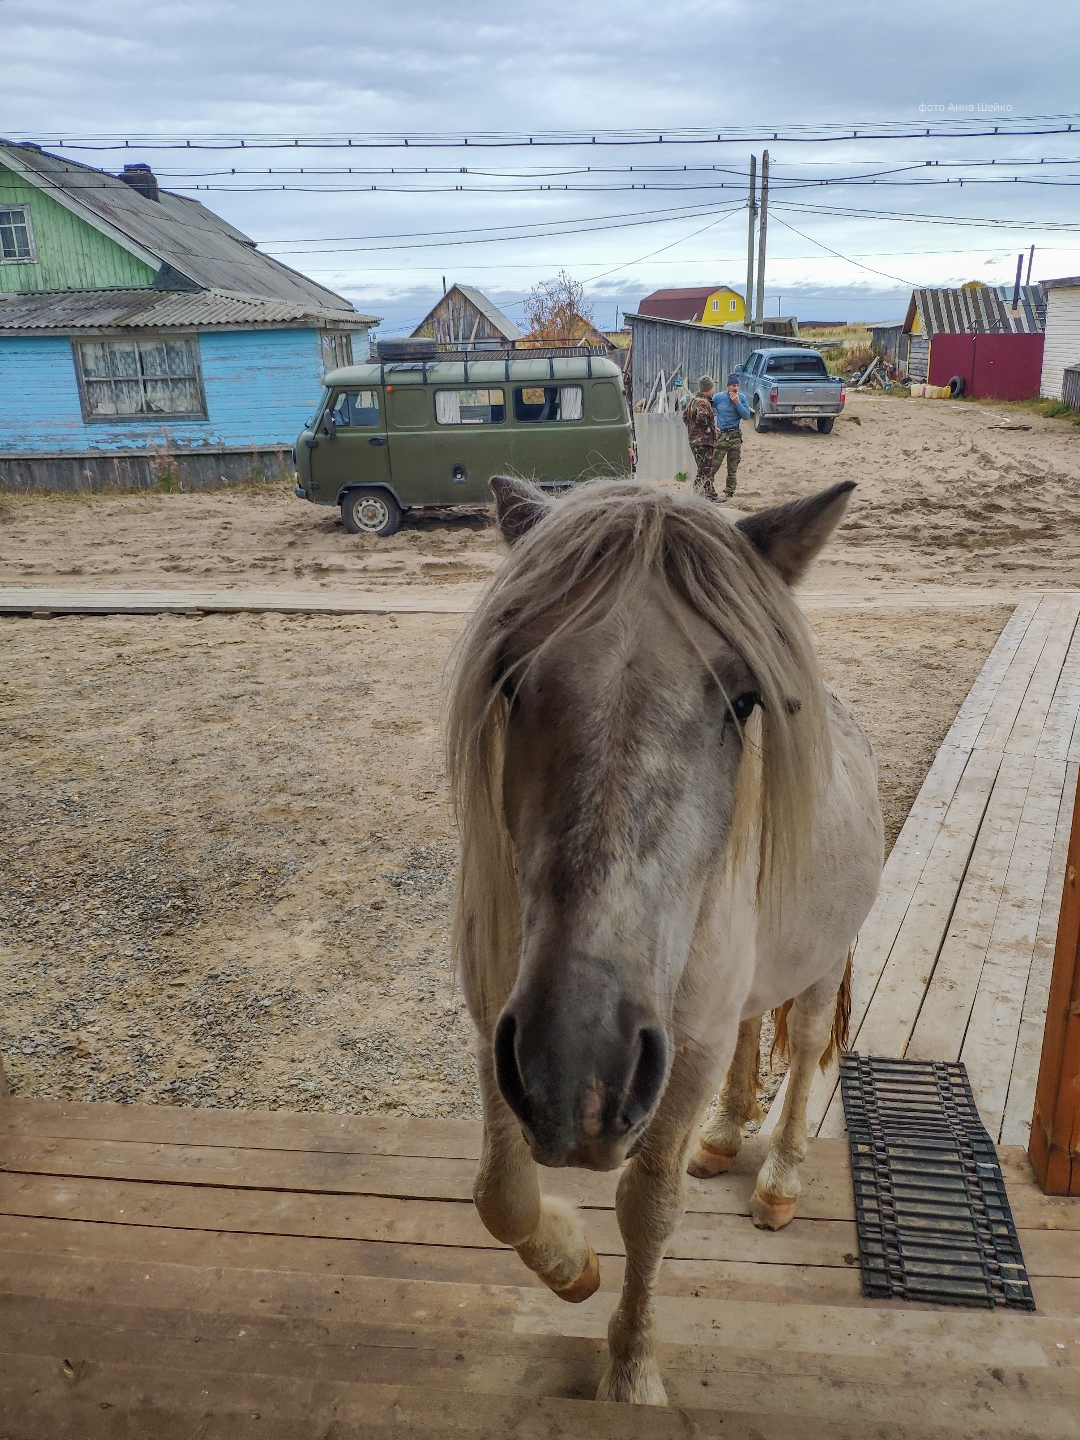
{"points": [[391, 436]]}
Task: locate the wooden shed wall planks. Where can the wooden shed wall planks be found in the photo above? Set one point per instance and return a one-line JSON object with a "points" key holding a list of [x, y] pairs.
{"points": [[260, 387], [71, 255], [954, 959]]}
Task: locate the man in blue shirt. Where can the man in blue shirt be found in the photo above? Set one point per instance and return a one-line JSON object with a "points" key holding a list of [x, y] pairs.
{"points": [[730, 408]]}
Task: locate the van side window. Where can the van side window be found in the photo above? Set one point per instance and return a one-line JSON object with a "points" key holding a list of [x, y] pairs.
{"points": [[358, 408], [549, 402], [470, 407]]}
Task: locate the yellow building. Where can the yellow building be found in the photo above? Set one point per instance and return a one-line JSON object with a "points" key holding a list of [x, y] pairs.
{"points": [[704, 305]]}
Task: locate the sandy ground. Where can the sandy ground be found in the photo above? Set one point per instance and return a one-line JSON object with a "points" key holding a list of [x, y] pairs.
{"points": [[228, 847], [943, 498]]}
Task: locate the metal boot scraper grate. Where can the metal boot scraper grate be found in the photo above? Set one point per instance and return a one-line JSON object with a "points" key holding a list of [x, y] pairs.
{"points": [[934, 1219]]}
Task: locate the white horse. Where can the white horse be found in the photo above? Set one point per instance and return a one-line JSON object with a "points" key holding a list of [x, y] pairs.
{"points": [[668, 827]]}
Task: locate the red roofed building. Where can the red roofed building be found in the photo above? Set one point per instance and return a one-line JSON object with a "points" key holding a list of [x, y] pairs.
{"points": [[703, 305]]}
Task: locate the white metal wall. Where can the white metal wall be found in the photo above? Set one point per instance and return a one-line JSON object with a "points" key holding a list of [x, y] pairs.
{"points": [[1062, 338], [663, 449]]}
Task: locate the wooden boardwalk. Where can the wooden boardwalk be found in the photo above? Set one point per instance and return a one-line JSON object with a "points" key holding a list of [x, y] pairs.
{"points": [[199, 1274], [419, 599], [954, 961]]}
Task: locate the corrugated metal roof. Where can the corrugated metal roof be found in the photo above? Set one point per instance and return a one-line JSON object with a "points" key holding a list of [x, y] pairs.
{"points": [[978, 310], [175, 231], [158, 309], [501, 322]]}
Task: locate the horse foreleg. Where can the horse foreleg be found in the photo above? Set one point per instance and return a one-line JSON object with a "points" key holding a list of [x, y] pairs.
{"points": [[810, 1028], [721, 1136], [649, 1206], [545, 1232]]}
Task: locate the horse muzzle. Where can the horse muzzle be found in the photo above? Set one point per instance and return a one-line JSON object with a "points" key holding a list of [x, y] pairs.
{"points": [[583, 1088]]}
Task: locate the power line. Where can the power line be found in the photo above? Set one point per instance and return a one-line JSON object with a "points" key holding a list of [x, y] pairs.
{"points": [[984, 123]]}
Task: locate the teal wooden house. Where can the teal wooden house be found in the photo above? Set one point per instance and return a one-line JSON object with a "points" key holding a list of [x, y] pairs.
{"points": [[135, 325]]}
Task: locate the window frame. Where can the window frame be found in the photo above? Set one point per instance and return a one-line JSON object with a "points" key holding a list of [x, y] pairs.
{"points": [[459, 390], [28, 222], [105, 337], [559, 419], [378, 424], [341, 340]]}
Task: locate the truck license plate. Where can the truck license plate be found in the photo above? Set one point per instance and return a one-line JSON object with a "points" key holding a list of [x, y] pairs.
{"points": [[805, 409]]}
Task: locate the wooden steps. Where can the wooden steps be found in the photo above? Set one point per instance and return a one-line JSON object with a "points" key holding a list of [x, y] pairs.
{"points": [[954, 960], [169, 1272]]}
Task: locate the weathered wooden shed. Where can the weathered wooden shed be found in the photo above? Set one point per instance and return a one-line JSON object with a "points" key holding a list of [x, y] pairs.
{"points": [[969, 310], [465, 316], [662, 351]]}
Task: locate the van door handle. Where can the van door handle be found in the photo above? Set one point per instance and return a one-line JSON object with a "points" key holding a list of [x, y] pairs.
{"points": [[377, 440]]}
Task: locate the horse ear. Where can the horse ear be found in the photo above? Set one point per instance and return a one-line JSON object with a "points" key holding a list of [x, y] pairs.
{"points": [[519, 505], [790, 536]]}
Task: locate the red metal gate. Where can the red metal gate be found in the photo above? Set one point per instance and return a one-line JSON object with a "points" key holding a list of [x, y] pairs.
{"points": [[994, 367]]}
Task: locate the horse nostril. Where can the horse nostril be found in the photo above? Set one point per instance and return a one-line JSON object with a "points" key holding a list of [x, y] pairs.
{"points": [[506, 1067], [648, 1078]]}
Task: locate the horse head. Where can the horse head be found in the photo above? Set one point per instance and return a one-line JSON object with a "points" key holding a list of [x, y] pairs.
{"points": [[610, 687]]}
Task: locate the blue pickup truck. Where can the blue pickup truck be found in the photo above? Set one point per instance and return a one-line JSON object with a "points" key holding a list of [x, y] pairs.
{"points": [[790, 385]]}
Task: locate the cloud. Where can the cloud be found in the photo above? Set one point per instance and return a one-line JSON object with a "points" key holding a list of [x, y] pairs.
{"points": [[126, 68]]}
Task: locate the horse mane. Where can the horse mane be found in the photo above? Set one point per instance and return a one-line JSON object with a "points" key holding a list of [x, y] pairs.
{"points": [[594, 550]]}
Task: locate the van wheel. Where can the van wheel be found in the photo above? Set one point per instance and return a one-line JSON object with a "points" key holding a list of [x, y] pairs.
{"points": [[825, 424], [761, 425], [370, 512]]}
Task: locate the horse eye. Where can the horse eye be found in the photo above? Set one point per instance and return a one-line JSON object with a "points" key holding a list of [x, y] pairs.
{"points": [[743, 706]]}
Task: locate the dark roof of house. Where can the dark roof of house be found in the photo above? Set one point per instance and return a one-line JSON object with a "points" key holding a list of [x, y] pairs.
{"points": [[136, 309], [680, 304], [1066, 282], [977, 310], [187, 245]]}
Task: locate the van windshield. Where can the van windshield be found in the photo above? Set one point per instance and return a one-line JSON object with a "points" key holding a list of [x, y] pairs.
{"points": [[548, 402]]}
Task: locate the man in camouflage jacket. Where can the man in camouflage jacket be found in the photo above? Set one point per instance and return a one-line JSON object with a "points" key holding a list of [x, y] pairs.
{"points": [[699, 417]]}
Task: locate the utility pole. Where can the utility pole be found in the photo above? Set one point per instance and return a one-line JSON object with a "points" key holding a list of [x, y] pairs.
{"points": [[1031, 257], [749, 306], [760, 302], [1016, 286]]}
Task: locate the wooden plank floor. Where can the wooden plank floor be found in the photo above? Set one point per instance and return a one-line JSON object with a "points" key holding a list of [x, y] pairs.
{"points": [[203, 1274], [419, 600], [954, 960]]}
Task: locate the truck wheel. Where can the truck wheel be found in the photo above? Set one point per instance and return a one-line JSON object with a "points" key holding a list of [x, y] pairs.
{"points": [[825, 424], [761, 425], [370, 511]]}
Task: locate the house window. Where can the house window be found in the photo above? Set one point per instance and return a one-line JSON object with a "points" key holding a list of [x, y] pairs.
{"points": [[470, 407], [716, 304], [732, 304], [548, 402], [129, 379], [16, 236], [336, 350]]}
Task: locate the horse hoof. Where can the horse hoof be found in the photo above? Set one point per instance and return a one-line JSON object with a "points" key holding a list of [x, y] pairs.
{"points": [[632, 1385], [709, 1160], [586, 1284], [771, 1212]]}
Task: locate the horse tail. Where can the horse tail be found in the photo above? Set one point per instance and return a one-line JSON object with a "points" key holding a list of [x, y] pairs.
{"points": [[838, 1039]]}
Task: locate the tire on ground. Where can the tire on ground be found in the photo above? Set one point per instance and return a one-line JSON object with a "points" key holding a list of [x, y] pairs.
{"points": [[957, 385], [825, 424], [370, 510]]}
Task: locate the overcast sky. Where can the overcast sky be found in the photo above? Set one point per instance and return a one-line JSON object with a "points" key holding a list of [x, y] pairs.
{"points": [[193, 68]]}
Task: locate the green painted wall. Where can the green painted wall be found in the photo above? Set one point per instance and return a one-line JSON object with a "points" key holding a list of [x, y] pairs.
{"points": [[72, 255]]}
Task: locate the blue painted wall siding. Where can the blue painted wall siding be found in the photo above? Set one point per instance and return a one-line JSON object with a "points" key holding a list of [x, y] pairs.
{"points": [[261, 385]]}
